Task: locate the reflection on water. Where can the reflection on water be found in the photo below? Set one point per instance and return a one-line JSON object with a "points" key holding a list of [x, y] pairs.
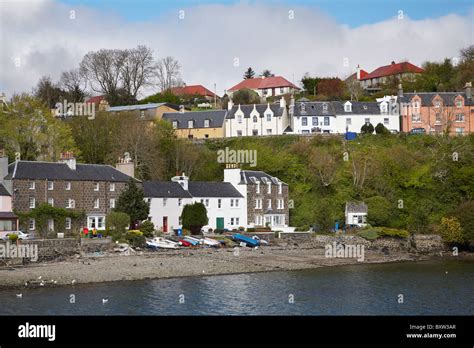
{"points": [[435, 287]]}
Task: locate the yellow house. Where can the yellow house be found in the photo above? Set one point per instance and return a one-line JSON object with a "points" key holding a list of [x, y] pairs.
{"points": [[198, 124], [146, 112]]}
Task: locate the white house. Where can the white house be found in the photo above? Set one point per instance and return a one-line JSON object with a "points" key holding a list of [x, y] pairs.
{"points": [[341, 117], [256, 119], [225, 205], [356, 214], [265, 86]]}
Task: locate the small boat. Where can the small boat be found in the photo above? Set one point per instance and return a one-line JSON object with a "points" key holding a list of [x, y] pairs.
{"points": [[192, 240], [152, 245], [247, 240], [211, 242], [262, 241], [165, 243], [185, 243]]}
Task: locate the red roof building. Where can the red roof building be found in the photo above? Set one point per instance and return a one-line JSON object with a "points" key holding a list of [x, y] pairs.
{"points": [[193, 90], [380, 74], [266, 86]]}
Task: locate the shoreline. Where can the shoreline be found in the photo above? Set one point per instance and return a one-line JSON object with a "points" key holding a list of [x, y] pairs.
{"points": [[187, 263]]}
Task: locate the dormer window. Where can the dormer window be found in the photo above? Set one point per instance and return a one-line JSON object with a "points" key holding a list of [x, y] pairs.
{"points": [[269, 117], [207, 123], [348, 107], [255, 119], [325, 107], [239, 119], [383, 107], [437, 104], [175, 124], [190, 124], [459, 103], [303, 107]]}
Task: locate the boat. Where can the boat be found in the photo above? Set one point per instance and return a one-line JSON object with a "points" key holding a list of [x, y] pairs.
{"points": [[152, 245], [247, 240], [262, 241], [211, 242], [165, 243], [192, 240], [185, 243]]}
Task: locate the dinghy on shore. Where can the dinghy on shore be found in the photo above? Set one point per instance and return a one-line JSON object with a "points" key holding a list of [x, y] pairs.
{"points": [[247, 240], [211, 242], [163, 243]]}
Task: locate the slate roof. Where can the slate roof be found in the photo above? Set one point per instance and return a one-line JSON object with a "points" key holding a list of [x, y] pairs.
{"points": [[356, 207], [247, 109], [216, 118], [246, 175], [212, 189], [7, 215], [165, 189], [427, 98], [393, 69], [261, 82], [336, 108], [314, 109], [358, 108], [3, 191], [141, 107], [61, 171]]}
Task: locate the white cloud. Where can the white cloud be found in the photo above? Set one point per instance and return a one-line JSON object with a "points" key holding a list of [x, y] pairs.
{"points": [[208, 39]]}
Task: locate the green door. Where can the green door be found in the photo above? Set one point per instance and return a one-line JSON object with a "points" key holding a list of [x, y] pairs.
{"points": [[220, 223]]}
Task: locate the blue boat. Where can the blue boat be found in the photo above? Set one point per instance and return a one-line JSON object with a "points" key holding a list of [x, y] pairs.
{"points": [[191, 240], [247, 240]]}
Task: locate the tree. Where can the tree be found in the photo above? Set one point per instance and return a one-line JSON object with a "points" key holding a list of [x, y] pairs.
{"points": [[163, 97], [147, 227], [324, 162], [331, 87], [74, 85], [310, 83], [381, 129], [245, 96], [249, 74], [451, 230], [464, 212], [194, 216], [131, 202], [367, 128], [116, 224], [379, 211], [168, 73], [267, 73], [354, 89], [465, 68], [48, 92]]}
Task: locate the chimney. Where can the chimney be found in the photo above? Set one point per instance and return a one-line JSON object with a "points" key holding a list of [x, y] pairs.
{"points": [[468, 89], [3, 165], [283, 102], [393, 62], [400, 91], [68, 158], [358, 72], [230, 104], [182, 180], [126, 165]]}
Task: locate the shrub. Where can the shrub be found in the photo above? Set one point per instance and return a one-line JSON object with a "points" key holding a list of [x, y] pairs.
{"points": [[12, 237], [451, 230], [303, 228], [381, 129], [392, 232], [135, 232], [136, 239], [371, 234], [379, 211], [147, 227], [194, 216], [116, 224]]}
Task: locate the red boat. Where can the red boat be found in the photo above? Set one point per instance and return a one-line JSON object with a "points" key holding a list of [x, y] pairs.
{"points": [[185, 243]]}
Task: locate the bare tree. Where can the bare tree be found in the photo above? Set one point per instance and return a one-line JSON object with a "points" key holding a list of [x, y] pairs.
{"points": [[168, 73], [354, 88], [74, 83], [325, 164], [138, 70]]}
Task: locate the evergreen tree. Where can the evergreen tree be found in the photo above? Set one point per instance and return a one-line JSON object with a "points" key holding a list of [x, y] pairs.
{"points": [[132, 202], [194, 216], [249, 74]]}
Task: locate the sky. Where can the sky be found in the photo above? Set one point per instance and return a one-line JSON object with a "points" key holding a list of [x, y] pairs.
{"points": [[216, 41]]}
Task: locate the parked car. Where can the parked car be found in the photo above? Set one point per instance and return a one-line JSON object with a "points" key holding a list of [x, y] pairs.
{"points": [[21, 235], [418, 131], [394, 131]]}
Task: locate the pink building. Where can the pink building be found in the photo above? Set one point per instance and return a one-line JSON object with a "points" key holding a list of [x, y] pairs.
{"points": [[8, 220]]}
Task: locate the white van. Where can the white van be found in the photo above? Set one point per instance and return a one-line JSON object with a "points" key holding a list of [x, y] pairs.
{"points": [[21, 236]]}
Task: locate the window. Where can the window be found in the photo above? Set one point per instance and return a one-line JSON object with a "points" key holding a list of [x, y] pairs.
{"points": [[112, 187], [237, 221], [190, 124], [50, 225], [207, 123], [315, 121], [269, 187], [50, 185], [386, 121], [303, 107], [180, 202], [258, 203], [175, 124], [348, 107], [437, 104], [459, 117], [282, 90], [206, 202], [112, 203], [236, 202], [68, 223], [304, 121], [239, 119], [348, 121], [31, 224], [68, 186], [231, 202], [51, 201], [280, 188], [258, 188], [96, 203], [366, 120], [383, 107], [326, 120], [31, 185], [416, 104], [265, 91], [255, 119], [269, 204], [258, 220], [232, 221], [269, 131], [165, 200], [280, 204], [239, 133], [438, 117], [32, 202], [97, 222], [459, 103], [70, 203], [269, 117], [96, 186], [416, 118], [219, 203], [460, 130], [254, 131]]}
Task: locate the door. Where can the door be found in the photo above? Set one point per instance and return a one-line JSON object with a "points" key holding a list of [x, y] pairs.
{"points": [[165, 224], [220, 223]]}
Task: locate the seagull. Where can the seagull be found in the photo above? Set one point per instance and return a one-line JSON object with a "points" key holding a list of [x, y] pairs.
{"points": [[26, 283], [39, 277], [105, 300], [42, 283], [203, 271], [446, 272], [19, 295], [73, 281]]}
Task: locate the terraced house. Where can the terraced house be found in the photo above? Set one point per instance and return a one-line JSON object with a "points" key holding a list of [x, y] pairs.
{"points": [[438, 112], [90, 188], [198, 124]]}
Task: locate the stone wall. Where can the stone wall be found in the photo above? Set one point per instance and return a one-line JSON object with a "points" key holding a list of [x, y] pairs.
{"points": [[50, 249], [96, 244], [428, 243]]}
